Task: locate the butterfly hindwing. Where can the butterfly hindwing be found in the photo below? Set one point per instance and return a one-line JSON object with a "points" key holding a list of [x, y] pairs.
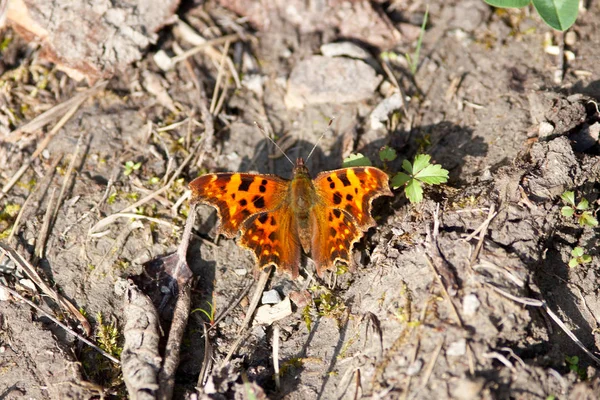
{"points": [[237, 197], [272, 236]]}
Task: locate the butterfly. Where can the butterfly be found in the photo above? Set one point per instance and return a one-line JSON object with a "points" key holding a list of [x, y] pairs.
{"points": [[277, 217]]}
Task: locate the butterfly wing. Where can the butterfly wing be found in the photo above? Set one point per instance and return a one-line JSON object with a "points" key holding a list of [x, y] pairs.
{"points": [[238, 197], [344, 212], [273, 238]]}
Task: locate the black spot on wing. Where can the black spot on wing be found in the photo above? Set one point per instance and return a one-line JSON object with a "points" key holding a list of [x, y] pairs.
{"points": [[272, 236], [262, 188], [337, 213], [332, 232], [337, 198], [273, 222], [349, 197], [243, 202], [246, 182], [344, 178], [263, 218], [258, 201]]}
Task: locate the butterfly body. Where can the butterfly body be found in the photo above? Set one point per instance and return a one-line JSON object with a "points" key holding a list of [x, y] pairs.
{"points": [[324, 216]]}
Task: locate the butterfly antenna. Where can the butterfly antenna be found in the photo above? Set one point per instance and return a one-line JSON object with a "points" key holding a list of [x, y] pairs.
{"points": [[322, 134], [259, 126]]}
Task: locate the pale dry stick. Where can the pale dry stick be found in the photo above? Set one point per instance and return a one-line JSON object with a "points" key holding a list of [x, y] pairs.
{"points": [[260, 286], [32, 274], [116, 216], [196, 39], [40, 244], [173, 126], [57, 322], [501, 358], [41, 147], [276, 356], [201, 47], [388, 71], [43, 119], [222, 98], [207, 360], [412, 361], [483, 231], [431, 364], [358, 385], [66, 179], [172, 350], [542, 304], [219, 79], [484, 224]]}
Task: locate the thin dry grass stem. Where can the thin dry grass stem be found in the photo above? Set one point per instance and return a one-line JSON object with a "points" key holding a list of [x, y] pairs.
{"points": [[206, 361], [32, 274], [276, 356], [260, 287], [41, 147], [233, 305], [390, 74], [57, 322], [40, 243], [500, 357], [172, 126], [431, 363], [205, 46], [358, 386], [222, 97], [542, 304], [45, 118], [133, 216], [413, 358], [219, 79], [66, 179], [482, 230]]}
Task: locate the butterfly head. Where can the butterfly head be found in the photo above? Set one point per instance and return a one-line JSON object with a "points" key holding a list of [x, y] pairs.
{"points": [[300, 168]]}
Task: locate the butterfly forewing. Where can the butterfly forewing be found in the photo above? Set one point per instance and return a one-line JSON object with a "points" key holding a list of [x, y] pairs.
{"points": [[238, 196]]}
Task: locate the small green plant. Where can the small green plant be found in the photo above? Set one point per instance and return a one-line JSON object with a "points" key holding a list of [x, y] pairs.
{"points": [[418, 173], [356, 160], [130, 166], [413, 61], [579, 258], [580, 210], [209, 314], [573, 364], [558, 14], [108, 336]]}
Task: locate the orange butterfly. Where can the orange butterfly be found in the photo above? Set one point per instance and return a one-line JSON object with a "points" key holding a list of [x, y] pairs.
{"points": [[276, 216]]}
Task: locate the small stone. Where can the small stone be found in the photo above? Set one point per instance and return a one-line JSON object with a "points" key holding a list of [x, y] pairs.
{"points": [[324, 80], [268, 314], [271, 297], [381, 113], [300, 298], [570, 38], [347, 49], [545, 129], [415, 367], [28, 283], [241, 271], [254, 83], [470, 305], [4, 295], [163, 61], [458, 348], [398, 231]]}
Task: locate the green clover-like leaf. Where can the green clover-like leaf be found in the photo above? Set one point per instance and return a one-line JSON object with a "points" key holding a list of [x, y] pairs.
{"points": [[387, 154], [568, 197], [356, 160], [414, 191]]}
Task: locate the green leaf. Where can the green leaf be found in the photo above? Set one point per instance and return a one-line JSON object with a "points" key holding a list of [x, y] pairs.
{"points": [[559, 14], [433, 175], [567, 211], [586, 258], [588, 219], [356, 160], [413, 191], [577, 252], [387, 154], [421, 161], [508, 3], [583, 204], [400, 179], [572, 264], [569, 198], [407, 166]]}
